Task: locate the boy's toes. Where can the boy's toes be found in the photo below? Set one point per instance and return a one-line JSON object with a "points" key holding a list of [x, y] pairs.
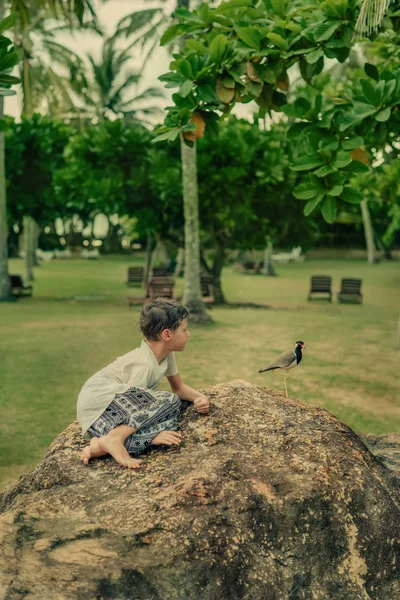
{"points": [[85, 456], [133, 463]]}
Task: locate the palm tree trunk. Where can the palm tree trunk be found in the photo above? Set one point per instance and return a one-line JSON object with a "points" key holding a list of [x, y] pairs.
{"points": [[192, 291], [29, 224], [5, 287], [369, 234]]}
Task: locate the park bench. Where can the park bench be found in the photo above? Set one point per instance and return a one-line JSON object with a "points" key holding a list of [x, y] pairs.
{"points": [[19, 288], [350, 290], [135, 276], [156, 285], [155, 288], [321, 284], [160, 272]]}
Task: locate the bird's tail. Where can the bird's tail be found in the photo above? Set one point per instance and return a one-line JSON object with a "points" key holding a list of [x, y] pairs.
{"points": [[268, 369]]}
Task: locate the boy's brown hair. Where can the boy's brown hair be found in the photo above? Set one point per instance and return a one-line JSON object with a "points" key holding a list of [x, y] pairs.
{"points": [[160, 314]]}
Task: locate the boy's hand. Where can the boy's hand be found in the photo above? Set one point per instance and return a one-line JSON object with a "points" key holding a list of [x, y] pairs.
{"points": [[169, 438], [202, 404]]}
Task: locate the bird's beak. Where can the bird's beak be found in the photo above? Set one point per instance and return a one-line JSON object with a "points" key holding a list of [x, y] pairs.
{"points": [[303, 346]]}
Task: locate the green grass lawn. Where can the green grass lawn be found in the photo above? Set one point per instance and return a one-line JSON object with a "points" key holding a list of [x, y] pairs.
{"points": [[51, 343]]}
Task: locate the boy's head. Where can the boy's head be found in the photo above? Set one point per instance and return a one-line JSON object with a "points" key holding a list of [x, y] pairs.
{"points": [[159, 315]]}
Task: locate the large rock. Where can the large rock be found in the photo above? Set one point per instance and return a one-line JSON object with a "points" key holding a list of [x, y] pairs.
{"points": [[267, 498]]}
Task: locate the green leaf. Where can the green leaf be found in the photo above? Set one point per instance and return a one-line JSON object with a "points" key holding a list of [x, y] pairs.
{"points": [[206, 93], [343, 159], [197, 46], [359, 112], [167, 136], [185, 68], [324, 30], [328, 209], [279, 6], [234, 4], [336, 190], [9, 79], [186, 88], [369, 92], [170, 34], [351, 143], [250, 36], [278, 40], [356, 167], [304, 191], [315, 55], [306, 163], [312, 204], [8, 22], [296, 129], [185, 14], [352, 196], [217, 47], [371, 71], [204, 11], [324, 171], [383, 115], [329, 143]]}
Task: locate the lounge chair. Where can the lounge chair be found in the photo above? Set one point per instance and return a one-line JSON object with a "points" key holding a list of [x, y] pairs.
{"points": [[135, 276], [321, 284], [350, 290]]}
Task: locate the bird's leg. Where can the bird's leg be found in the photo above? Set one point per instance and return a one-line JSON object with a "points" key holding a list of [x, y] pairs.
{"points": [[285, 378]]}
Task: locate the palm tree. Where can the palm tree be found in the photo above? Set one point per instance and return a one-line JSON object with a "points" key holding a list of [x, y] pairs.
{"points": [[5, 287], [70, 13], [108, 89]]}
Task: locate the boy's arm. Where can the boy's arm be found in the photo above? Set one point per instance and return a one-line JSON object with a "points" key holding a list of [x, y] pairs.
{"points": [[185, 392]]}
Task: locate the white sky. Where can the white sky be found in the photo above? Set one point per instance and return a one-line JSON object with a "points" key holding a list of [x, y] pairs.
{"points": [[109, 14]]}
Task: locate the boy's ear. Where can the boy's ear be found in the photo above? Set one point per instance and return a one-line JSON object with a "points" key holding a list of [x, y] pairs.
{"points": [[166, 335]]}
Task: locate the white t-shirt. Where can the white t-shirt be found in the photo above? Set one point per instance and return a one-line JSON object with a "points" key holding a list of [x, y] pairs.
{"points": [[138, 368]]}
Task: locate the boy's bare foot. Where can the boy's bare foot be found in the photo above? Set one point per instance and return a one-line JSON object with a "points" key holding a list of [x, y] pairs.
{"points": [[92, 451], [167, 437], [113, 444]]}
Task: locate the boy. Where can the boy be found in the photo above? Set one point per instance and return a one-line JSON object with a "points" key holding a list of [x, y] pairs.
{"points": [[121, 407]]}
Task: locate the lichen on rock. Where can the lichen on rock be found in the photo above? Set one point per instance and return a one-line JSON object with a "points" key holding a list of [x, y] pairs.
{"points": [[266, 499]]}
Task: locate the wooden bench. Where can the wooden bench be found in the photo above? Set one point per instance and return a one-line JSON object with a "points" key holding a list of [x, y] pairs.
{"points": [[19, 288], [160, 272], [135, 276], [156, 289], [350, 290], [321, 284]]}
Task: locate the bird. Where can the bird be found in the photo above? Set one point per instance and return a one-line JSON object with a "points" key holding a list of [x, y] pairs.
{"points": [[286, 361]]}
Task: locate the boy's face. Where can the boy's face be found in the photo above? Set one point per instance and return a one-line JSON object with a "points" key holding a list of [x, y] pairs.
{"points": [[179, 337]]}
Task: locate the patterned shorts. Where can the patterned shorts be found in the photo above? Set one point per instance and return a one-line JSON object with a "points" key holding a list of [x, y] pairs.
{"points": [[148, 412]]}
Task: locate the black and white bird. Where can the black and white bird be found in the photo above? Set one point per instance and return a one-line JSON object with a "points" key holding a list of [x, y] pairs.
{"points": [[286, 361]]}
